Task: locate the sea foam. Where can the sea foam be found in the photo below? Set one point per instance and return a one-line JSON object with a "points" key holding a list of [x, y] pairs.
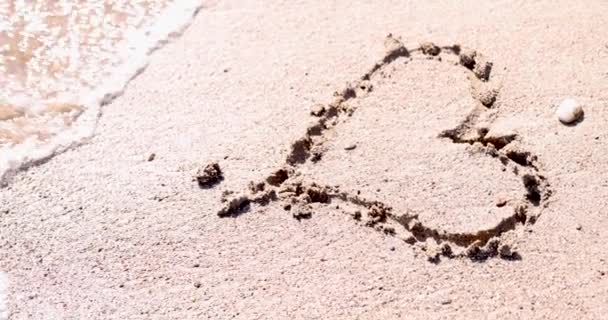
{"points": [[60, 65]]}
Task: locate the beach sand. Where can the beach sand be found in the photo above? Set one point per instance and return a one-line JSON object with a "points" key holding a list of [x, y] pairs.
{"points": [[100, 232]]}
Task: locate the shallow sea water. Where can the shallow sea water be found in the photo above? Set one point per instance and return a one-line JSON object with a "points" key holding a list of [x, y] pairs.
{"points": [[61, 59]]}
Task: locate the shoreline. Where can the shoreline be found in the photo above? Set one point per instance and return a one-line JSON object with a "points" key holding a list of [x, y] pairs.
{"points": [[86, 105]]}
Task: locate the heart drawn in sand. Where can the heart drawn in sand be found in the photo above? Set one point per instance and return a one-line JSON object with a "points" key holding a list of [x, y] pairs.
{"points": [[454, 186]]}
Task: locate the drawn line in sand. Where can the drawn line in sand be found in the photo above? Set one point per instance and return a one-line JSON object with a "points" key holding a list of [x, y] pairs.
{"points": [[297, 194]]}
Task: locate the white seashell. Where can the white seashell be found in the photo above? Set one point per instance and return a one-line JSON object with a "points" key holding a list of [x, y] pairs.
{"points": [[569, 111]]}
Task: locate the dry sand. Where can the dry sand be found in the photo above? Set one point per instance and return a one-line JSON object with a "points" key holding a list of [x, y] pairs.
{"points": [[101, 232]]}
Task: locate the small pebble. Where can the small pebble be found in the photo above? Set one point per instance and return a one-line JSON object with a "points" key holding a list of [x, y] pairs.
{"points": [[501, 201], [197, 284], [569, 111], [151, 157], [209, 175], [351, 146]]}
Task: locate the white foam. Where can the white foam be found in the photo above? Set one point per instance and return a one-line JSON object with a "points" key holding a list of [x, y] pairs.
{"points": [[135, 54]]}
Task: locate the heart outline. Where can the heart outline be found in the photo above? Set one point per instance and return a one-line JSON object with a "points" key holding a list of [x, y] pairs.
{"points": [[286, 184]]}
